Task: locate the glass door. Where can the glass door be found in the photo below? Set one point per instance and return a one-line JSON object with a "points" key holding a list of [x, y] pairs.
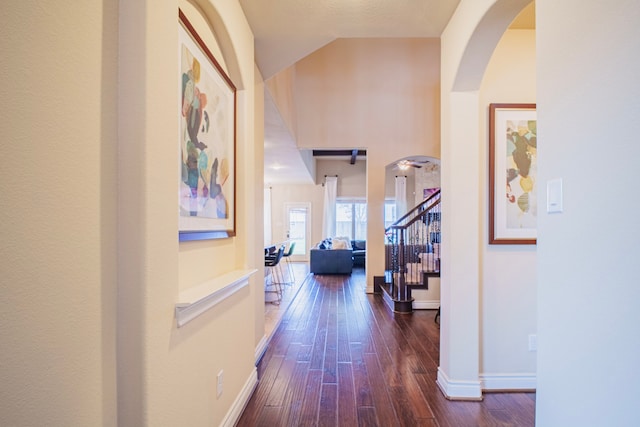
{"points": [[298, 224]]}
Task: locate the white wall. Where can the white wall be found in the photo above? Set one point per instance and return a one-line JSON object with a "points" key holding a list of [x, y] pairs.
{"points": [[588, 269], [508, 285], [58, 215]]}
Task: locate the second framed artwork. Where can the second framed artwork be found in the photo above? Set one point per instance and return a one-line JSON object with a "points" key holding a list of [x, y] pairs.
{"points": [[513, 146], [207, 141]]}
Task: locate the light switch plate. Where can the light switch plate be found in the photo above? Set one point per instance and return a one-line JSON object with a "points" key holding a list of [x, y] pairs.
{"points": [[220, 379], [554, 195]]}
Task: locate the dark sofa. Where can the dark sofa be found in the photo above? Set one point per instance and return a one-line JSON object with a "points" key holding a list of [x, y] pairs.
{"points": [[327, 260], [330, 261], [359, 251]]}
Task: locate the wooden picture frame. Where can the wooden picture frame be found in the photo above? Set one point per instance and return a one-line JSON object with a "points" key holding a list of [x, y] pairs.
{"points": [[512, 174], [207, 141]]}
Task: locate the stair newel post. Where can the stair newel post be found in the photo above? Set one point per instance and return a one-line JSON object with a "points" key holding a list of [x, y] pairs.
{"points": [[402, 285]]}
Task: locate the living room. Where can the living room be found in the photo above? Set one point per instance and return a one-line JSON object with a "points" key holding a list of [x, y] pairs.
{"points": [[297, 210]]}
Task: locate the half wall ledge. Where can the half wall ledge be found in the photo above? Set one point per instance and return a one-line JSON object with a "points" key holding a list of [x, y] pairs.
{"points": [[196, 300]]}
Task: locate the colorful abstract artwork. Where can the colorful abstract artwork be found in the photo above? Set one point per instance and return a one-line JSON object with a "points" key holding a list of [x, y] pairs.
{"points": [[206, 141], [513, 145]]}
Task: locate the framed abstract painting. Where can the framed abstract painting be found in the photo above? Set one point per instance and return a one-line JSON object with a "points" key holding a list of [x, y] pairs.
{"points": [[513, 145], [207, 141]]}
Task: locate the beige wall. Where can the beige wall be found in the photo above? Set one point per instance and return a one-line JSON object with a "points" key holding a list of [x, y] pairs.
{"points": [[58, 227], [508, 281], [370, 93], [468, 42], [258, 206], [280, 87], [168, 375], [61, 234], [346, 96], [352, 179]]}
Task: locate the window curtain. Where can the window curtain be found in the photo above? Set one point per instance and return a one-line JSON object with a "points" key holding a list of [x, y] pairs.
{"points": [[329, 216], [401, 196], [268, 239]]}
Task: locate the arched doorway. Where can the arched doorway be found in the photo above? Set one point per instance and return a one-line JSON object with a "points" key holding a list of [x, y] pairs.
{"points": [[464, 64]]}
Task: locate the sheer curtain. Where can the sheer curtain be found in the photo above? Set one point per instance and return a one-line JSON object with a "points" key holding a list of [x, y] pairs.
{"points": [[401, 196], [329, 216]]}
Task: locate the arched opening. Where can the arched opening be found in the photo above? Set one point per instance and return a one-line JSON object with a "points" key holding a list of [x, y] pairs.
{"points": [[421, 175], [203, 13], [465, 62], [410, 182]]}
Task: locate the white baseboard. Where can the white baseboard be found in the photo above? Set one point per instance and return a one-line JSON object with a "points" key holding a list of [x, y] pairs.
{"points": [[458, 390], [261, 348], [426, 305], [241, 401], [507, 382]]}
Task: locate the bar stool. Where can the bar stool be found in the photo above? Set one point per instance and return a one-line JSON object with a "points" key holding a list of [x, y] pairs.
{"points": [[273, 273], [286, 256]]}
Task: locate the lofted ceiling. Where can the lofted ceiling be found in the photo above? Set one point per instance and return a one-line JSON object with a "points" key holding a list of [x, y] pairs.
{"points": [[286, 31]]}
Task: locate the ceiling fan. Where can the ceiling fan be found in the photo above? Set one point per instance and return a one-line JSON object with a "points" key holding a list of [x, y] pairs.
{"points": [[405, 164]]}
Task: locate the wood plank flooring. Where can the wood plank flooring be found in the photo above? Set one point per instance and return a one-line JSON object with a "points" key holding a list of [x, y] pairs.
{"points": [[340, 357]]}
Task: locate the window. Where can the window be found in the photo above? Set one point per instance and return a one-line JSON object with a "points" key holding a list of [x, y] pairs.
{"points": [[351, 219], [389, 212]]}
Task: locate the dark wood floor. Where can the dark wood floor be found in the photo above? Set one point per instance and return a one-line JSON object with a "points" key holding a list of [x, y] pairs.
{"points": [[340, 357]]}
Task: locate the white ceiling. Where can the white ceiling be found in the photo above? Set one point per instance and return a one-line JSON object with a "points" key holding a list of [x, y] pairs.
{"points": [[286, 31]]}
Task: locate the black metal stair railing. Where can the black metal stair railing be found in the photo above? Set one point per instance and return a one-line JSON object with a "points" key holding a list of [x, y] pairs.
{"points": [[413, 249]]}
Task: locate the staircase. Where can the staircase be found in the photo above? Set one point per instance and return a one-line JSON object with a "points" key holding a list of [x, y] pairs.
{"points": [[412, 254]]}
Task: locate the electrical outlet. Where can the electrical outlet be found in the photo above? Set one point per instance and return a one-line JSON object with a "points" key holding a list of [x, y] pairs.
{"points": [[533, 342], [220, 379]]}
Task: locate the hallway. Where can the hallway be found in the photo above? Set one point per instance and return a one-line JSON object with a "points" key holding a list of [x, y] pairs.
{"points": [[340, 357]]}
